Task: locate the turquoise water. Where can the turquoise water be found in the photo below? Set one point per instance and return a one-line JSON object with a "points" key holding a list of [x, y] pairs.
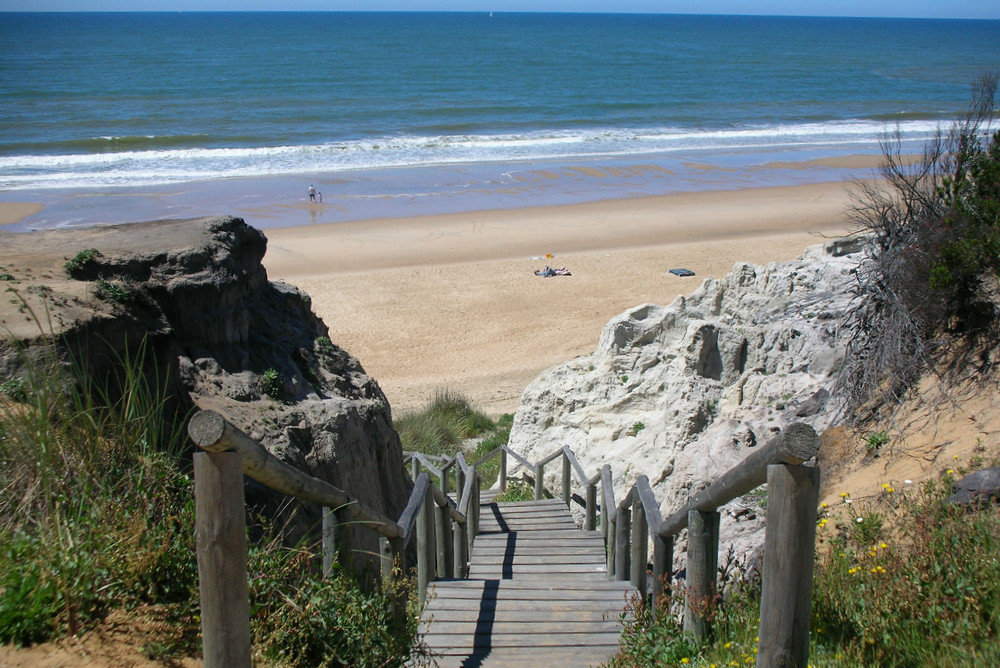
{"points": [[422, 112]]}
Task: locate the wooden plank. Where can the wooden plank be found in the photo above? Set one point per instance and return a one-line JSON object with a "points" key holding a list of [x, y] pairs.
{"points": [[537, 627], [486, 640], [503, 614], [569, 657]]}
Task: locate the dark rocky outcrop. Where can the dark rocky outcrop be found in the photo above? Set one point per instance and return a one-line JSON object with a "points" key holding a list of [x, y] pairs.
{"points": [[227, 339]]}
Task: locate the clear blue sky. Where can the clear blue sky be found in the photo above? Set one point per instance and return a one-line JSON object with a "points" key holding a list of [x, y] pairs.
{"points": [[986, 9]]}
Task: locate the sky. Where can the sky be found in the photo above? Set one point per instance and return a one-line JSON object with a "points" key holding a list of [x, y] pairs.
{"points": [[965, 9]]}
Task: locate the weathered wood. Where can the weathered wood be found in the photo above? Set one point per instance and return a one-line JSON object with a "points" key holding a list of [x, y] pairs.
{"points": [[444, 542], [220, 531], [663, 559], [623, 524], [328, 540], [789, 550], [796, 444], [503, 470], [609, 511], [539, 481], [590, 517], [640, 543], [213, 433], [426, 544], [702, 565], [565, 479]]}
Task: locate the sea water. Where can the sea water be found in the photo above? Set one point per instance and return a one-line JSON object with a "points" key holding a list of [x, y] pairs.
{"points": [[112, 117]]}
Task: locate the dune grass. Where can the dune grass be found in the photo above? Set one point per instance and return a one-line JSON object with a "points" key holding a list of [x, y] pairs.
{"points": [[97, 515], [447, 423]]}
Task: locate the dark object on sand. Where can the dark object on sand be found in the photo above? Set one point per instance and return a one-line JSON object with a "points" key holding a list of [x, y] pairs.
{"points": [[682, 272], [549, 271], [977, 488]]}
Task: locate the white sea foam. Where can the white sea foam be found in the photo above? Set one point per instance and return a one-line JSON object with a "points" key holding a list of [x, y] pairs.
{"points": [[155, 167]]}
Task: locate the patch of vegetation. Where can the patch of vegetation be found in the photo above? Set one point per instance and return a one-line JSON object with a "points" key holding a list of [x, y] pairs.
{"points": [[16, 388], [636, 428], [97, 515], [517, 490], [115, 291], [875, 441], [324, 345], [82, 263], [924, 593], [272, 384], [934, 258], [7, 277], [441, 427]]}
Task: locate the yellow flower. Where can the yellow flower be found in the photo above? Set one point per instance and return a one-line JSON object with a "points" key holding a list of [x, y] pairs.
{"points": [[685, 660], [727, 645], [843, 495], [823, 505], [950, 472], [883, 545]]}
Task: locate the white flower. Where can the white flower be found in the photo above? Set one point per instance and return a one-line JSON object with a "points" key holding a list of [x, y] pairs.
{"points": [[860, 520]]}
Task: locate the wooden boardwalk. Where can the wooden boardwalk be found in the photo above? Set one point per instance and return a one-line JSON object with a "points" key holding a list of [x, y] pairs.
{"points": [[538, 595]]}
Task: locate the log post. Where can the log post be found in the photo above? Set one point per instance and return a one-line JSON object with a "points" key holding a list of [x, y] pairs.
{"points": [[590, 519], [622, 531], [426, 544], [702, 564], [539, 484], [612, 545], [444, 540], [503, 470], [459, 484], [789, 550], [387, 560], [663, 560], [414, 467], [565, 479], [459, 541], [329, 540], [220, 530], [640, 547], [344, 532]]}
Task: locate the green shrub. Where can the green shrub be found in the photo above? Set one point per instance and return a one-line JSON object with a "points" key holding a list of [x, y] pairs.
{"points": [[115, 291], [301, 620], [82, 263], [876, 441], [272, 384], [15, 388], [324, 345], [517, 491]]}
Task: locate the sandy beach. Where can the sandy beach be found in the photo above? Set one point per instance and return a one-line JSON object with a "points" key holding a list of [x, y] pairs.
{"points": [[452, 301]]}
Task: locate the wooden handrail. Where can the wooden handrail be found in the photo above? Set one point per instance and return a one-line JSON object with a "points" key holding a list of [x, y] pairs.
{"points": [[222, 551], [213, 433], [796, 444]]}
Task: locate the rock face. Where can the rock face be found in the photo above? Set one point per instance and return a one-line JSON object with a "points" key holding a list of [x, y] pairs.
{"points": [[227, 339], [681, 393]]}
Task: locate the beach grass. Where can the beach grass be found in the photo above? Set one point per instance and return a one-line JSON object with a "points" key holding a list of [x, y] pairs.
{"points": [[97, 520]]}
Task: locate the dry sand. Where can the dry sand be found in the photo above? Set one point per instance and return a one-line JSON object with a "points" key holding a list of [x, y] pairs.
{"points": [[451, 302]]}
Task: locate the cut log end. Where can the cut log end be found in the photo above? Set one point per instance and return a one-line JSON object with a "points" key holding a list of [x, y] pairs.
{"points": [[206, 429], [799, 443]]}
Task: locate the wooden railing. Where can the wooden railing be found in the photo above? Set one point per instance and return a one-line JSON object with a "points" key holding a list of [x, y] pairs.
{"points": [[630, 525], [443, 530]]}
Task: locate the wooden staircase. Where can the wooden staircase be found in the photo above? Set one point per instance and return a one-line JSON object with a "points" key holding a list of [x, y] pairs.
{"points": [[538, 595]]}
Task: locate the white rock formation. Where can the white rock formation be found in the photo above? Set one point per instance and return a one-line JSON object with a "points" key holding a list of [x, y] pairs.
{"points": [[681, 393]]}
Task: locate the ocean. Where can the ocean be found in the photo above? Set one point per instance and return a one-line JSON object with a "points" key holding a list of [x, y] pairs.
{"points": [[117, 117]]}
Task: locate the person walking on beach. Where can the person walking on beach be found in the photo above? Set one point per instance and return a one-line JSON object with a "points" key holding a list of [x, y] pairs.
{"points": [[312, 193]]}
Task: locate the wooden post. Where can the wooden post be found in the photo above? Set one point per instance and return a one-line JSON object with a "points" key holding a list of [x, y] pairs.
{"points": [[612, 545], [329, 540], [539, 484], [220, 531], [702, 564], [344, 532], [444, 541], [622, 531], [414, 467], [503, 470], [789, 549], [565, 479], [425, 544], [640, 547], [459, 540], [590, 519], [459, 484], [663, 560], [387, 559]]}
